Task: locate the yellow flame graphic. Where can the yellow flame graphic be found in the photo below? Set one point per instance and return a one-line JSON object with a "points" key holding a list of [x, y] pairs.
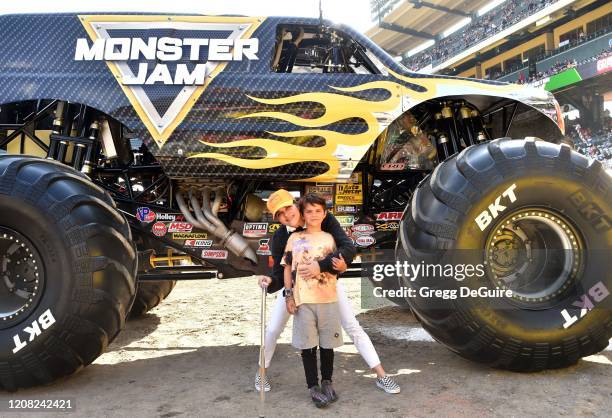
{"points": [[341, 151]]}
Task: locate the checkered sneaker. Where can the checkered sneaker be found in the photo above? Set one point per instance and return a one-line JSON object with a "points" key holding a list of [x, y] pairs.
{"points": [[387, 384], [266, 384], [318, 397]]}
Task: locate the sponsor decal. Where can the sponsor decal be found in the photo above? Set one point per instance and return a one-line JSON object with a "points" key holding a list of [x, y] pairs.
{"points": [[326, 191], [181, 53], [591, 212], [604, 65], [346, 220], [496, 208], [252, 230], [264, 247], [180, 227], [363, 229], [159, 228], [170, 217], [215, 254], [387, 226], [272, 228], [349, 194], [189, 235], [198, 243], [44, 321], [365, 240], [389, 216], [587, 302], [145, 215], [393, 166], [345, 209]]}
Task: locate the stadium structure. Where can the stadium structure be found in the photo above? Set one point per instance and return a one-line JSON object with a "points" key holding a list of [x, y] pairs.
{"points": [[563, 45]]}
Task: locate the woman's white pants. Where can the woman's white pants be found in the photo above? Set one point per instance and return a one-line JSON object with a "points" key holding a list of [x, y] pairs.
{"points": [[280, 316]]}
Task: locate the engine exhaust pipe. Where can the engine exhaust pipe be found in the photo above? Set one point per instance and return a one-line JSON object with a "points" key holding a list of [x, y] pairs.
{"points": [[206, 219]]}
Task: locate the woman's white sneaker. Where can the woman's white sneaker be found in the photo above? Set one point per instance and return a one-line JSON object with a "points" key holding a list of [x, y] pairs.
{"points": [[266, 384], [387, 384]]}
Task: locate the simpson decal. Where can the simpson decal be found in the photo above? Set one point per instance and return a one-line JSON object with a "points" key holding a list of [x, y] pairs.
{"points": [[184, 52], [215, 254]]}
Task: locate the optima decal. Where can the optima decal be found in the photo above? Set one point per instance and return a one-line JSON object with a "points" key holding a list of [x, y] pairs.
{"points": [[185, 64]]}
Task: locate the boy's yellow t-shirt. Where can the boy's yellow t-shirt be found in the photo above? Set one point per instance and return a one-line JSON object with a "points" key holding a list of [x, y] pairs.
{"points": [[304, 247]]}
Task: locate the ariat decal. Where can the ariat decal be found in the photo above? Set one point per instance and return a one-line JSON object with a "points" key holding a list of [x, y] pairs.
{"points": [[487, 216], [389, 216], [182, 53]]}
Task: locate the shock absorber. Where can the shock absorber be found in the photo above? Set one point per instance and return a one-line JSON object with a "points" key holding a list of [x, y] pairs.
{"points": [[449, 125], [468, 126], [58, 125], [94, 128]]}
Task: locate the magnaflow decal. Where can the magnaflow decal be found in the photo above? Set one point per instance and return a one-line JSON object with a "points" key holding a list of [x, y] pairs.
{"points": [[175, 55]]}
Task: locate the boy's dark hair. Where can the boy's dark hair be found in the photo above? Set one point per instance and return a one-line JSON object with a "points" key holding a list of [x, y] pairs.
{"points": [[311, 199]]}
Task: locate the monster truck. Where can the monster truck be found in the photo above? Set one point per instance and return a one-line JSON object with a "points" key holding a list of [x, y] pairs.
{"points": [[140, 150]]}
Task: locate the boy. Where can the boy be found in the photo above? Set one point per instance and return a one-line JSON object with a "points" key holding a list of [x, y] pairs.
{"points": [[313, 300]]}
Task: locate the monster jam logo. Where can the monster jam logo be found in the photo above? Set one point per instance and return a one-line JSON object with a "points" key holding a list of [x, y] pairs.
{"points": [[172, 56]]}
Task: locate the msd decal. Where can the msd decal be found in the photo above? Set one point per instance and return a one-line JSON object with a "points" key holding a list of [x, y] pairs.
{"points": [[180, 227], [179, 54]]}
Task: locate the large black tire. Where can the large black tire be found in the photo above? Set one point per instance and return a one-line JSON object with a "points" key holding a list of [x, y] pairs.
{"points": [[71, 233], [149, 295], [522, 332]]}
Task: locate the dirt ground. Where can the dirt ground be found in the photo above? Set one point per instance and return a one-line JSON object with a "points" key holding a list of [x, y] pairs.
{"points": [[196, 355]]}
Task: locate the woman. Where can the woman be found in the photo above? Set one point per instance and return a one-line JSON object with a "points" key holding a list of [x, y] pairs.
{"points": [[283, 209]]}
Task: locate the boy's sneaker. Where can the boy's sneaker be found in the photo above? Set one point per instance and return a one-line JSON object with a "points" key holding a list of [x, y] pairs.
{"points": [[318, 397], [387, 384], [266, 384], [328, 390]]}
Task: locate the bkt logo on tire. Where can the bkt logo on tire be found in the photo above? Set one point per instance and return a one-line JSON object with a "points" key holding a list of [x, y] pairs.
{"points": [[487, 216]]}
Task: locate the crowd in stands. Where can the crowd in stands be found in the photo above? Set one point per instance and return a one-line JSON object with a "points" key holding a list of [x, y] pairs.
{"points": [[560, 66], [596, 145], [485, 26]]}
